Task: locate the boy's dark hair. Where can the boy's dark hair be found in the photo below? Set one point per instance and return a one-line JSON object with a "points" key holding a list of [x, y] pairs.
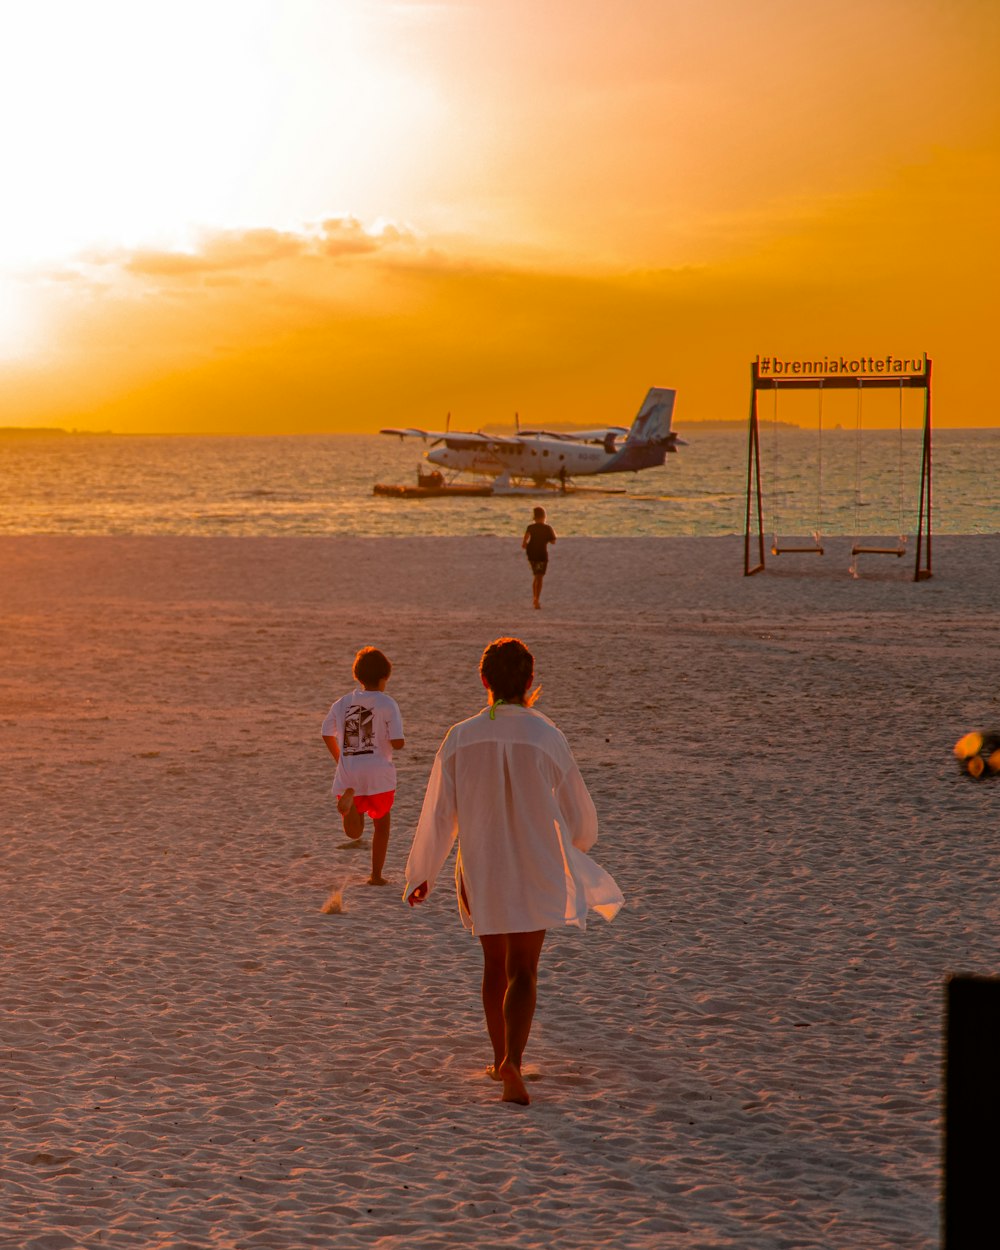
{"points": [[507, 667], [370, 666], [539, 514]]}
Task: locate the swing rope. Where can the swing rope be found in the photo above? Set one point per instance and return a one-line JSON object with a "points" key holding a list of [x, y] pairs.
{"points": [[818, 531], [776, 547], [857, 466], [856, 547], [857, 484]]}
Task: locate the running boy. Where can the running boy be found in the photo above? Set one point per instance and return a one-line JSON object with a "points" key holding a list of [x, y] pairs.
{"points": [[362, 730]]}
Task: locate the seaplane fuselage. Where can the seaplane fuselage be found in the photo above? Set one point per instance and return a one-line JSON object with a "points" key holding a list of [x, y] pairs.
{"points": [[530, 457]]}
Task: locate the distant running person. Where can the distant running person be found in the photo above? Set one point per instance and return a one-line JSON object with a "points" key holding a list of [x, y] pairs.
{"points": [[535, 544]]}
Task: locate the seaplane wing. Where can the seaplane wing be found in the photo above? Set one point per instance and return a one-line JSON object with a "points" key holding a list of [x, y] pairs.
{"points": [[579, 436], [457, 440], [411, 432]]}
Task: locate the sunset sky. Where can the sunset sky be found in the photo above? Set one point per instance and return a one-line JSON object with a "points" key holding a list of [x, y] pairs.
{"points": [[261, 216]]}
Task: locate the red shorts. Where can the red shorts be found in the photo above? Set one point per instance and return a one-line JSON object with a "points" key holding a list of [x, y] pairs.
{"points": [[374, 805]]}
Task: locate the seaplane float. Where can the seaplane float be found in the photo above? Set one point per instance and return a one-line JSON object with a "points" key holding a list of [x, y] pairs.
{"points": [[530, 461]]}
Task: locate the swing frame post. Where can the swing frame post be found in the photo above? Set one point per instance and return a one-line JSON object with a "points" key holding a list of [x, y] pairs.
{"points": [[753, 476], [922, 571], [921, 380]]}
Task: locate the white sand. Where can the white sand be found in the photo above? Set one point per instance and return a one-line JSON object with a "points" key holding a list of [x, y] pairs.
{"points": [[194, 1054]]}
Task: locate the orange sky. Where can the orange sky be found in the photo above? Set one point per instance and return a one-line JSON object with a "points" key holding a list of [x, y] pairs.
{"points": [[297, 215]]}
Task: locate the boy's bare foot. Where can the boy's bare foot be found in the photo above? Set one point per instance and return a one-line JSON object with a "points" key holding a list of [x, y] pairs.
{"points": [[376, 881], [514, 1088], [345, 801]]}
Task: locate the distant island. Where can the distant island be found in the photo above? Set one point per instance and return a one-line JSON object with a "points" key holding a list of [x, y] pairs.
{"points": [[568, 427], [733, 425], [11, 430], [19, 431]]}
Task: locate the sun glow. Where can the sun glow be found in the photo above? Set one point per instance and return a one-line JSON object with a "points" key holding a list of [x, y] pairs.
{"points": [[136, 123], [19, 322], [236, 211]]}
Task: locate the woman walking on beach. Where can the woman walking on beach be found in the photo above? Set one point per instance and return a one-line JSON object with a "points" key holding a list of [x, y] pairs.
{"points": [[506, 785]]}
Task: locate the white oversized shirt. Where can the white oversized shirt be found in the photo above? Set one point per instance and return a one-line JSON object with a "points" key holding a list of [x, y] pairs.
{"points": [[364, 723], [510, 790]]}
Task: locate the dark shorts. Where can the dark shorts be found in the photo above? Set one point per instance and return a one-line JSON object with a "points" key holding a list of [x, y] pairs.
{"points": [[538, 567]]}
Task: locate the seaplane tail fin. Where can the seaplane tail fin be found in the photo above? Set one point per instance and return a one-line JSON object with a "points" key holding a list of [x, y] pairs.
{"points": [[650, 437], [652, 424]]}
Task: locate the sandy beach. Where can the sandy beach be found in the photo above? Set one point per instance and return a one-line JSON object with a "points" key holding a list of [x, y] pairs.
{"points": [[194, 1054]]}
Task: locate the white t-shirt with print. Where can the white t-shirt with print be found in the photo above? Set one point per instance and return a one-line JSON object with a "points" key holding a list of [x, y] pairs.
{"points": [[364, 723]]}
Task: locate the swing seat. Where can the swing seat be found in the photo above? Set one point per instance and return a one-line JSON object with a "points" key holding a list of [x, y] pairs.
{"points": [[877, 551], [802, 551]]}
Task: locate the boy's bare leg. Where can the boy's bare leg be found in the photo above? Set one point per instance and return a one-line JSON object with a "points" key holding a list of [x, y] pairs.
{"points": [[523, 950], [494, 988], [354, 821], [380, 845], [536, 588]]}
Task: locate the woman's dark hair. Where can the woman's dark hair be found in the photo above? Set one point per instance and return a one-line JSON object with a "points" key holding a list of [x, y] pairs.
{"points": [[507, 667], [370, 666]]}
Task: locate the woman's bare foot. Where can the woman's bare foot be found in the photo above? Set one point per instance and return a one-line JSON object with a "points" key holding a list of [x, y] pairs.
{"points": [[376, 881], [514, 1088], [492, 1070], [345, 801]]}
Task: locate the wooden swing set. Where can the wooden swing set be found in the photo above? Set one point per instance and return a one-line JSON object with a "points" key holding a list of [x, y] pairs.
{"points": [[761, 381]]}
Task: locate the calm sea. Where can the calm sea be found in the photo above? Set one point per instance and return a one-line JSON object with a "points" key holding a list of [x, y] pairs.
{"points": [[840, 484]]}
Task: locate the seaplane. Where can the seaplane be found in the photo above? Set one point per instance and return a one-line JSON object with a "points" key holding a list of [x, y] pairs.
{"points": [[543, 458]]}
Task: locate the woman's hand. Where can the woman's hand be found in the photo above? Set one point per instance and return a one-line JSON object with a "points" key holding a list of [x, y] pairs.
{"points": [[418, 895]]}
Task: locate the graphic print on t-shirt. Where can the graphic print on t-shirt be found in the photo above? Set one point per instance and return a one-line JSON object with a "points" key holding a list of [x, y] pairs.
{"points": [[359, 730]]}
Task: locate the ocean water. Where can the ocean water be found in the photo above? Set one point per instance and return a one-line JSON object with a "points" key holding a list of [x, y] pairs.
{"points": [[322, 484]]}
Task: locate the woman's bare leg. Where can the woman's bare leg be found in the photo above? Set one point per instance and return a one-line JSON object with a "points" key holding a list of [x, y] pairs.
{"points": [[523, 950], [510, 981], [494, 988]]}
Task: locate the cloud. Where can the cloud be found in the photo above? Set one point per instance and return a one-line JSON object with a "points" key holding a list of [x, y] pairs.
{"points": [[343, 236], [235, 252], [336, 325], [218, 252]]}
